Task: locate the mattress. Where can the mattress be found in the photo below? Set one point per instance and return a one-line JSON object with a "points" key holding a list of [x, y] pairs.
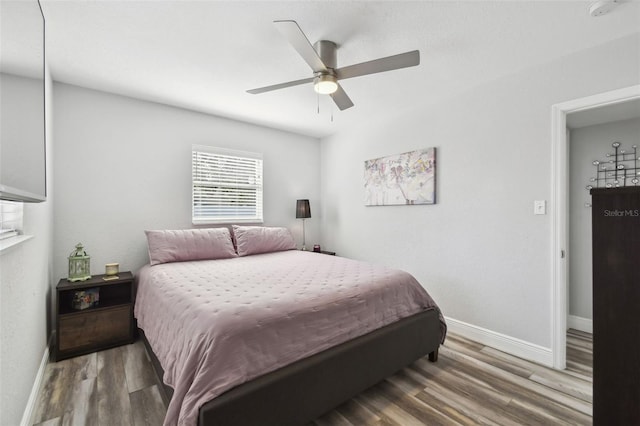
{"points": [[215, 324]]}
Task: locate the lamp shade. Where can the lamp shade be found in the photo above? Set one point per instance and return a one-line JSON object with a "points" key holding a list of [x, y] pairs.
{"points": [[303, 210]]}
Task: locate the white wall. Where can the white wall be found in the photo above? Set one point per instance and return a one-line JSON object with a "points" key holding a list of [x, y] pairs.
{"points": [[124, 165], [25, 296], [589, 144], [480, 251]]}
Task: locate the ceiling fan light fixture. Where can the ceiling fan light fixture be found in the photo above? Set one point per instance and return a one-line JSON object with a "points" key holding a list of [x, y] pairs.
{"points": [[325, 84]]}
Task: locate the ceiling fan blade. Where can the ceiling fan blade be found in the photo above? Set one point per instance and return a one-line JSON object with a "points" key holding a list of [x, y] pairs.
{"points": [[300, 42], [341, 98], [280, 86], [403, 60]]}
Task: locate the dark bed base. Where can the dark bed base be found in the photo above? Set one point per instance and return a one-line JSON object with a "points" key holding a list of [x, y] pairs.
{"points": [[306, 389]]}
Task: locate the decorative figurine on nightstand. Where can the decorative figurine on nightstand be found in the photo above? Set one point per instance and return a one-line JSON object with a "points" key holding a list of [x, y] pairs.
{"points": [[79, 264]]}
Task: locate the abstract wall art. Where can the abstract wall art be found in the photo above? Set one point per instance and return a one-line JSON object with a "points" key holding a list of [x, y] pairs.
{"points": [[402, 179]]}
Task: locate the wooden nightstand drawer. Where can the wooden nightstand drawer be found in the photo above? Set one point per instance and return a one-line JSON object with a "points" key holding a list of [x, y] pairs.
{"points": [[98, 328]]}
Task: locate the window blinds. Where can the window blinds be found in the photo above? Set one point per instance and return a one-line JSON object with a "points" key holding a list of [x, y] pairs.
{"points": [[227, 186], [10, 218]]}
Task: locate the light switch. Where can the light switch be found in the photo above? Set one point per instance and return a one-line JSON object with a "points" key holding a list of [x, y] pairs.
{"points": [[540, 207]]}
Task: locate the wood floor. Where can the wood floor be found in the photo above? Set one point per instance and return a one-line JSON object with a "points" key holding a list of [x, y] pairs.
{"points": [[112, 387], [470, 384]]}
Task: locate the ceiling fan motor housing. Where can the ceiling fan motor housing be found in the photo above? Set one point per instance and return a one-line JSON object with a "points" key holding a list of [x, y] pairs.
{"points": [[327, 50], [325, 81]]}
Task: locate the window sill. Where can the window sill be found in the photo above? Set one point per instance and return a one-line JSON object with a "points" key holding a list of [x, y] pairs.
{"points": [[231, 221], [7, 243]]}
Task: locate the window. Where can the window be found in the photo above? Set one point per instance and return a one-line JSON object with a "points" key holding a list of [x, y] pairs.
{"points": [[227, 186], [10, 219]]}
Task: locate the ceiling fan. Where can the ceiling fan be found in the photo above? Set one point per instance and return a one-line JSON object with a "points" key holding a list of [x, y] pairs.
{"points": [[322, 58]]}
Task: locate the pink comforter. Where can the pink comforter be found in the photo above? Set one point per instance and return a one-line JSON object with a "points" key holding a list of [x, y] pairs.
{"points": [[215, 324]]}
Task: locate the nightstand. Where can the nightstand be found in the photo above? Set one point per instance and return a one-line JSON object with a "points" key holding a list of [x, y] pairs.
{"points": [[108, 324]]}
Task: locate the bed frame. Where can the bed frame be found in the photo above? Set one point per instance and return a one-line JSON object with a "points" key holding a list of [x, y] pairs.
{"points": [[303, 391]]}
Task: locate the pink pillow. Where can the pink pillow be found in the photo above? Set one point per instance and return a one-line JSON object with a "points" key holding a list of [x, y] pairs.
{"points": [[189, 244], [261, 239]]}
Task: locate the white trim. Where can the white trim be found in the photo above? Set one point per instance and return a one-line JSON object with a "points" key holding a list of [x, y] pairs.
{"points": [[35, 389], [559, 218], [511, 345], [580, 324], [559, 240], [227, 151]]}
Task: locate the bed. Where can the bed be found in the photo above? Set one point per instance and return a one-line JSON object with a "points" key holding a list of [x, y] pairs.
{"points": [[278, 336]]}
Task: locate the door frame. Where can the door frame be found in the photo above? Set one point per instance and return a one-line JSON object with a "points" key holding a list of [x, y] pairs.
{"points": [[559, 209]]}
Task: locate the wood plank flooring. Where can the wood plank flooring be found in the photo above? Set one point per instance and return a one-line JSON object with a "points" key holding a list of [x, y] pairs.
{"points": [[111, 387], [470, 384]]}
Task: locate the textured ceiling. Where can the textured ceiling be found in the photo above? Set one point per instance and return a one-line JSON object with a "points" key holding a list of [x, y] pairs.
{"points": [[204, 55]]}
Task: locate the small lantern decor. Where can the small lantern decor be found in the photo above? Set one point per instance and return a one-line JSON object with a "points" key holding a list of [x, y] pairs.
{"points": [[79, 269]]}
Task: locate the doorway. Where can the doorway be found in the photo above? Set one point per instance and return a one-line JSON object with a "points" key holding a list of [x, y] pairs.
{"points": [[613, 102]]}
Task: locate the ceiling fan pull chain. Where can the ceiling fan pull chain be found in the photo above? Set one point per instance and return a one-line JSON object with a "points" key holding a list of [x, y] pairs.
{"points": [[318, 100], [332, 114]]}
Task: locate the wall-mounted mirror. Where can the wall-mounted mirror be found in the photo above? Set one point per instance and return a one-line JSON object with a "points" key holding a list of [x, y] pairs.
{"points": [[22, 102]]}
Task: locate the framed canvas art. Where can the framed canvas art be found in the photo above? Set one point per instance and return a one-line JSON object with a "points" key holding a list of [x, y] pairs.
{"points": [[402, 179]]}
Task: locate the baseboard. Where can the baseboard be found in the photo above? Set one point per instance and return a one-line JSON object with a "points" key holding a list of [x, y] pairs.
{"points": [[580, 324], [511, 345], [33, 396]]}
